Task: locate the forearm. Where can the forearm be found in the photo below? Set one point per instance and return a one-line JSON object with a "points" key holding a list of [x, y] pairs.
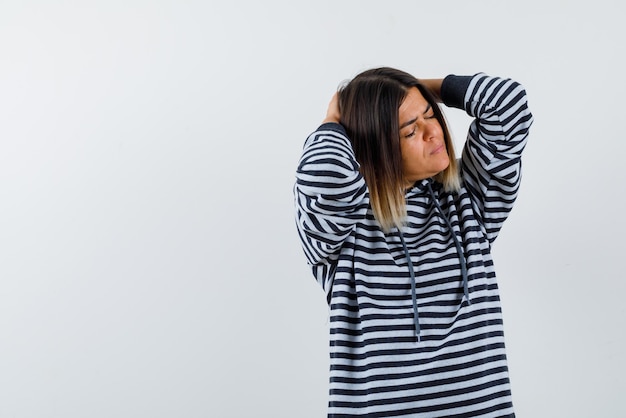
{"points": [[433, 85], [491, 160], [330, 193]]}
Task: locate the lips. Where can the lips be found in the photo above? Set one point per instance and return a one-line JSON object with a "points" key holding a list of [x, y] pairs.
{"points": [[438, 149]]}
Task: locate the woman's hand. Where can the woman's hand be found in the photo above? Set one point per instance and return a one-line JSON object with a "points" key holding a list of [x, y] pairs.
{"points": [[332, 114]]}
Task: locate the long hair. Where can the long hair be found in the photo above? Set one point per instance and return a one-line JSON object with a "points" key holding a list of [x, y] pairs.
{"points": [[369, 107]]}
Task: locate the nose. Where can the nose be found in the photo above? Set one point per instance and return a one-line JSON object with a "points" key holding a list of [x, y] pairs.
{"points": [[429, 129]]}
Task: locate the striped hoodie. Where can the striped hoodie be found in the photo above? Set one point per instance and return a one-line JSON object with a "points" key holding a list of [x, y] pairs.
{"points": [[415, 318]]}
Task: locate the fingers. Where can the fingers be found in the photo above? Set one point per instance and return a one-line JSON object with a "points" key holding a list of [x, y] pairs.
{"points": [[333, 114]]}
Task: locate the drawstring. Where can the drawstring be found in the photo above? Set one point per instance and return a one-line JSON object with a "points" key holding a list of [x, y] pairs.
{"points": [[459, 250], [416, 318]]}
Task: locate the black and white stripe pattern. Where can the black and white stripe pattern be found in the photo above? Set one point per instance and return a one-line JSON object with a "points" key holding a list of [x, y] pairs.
{"points": [[378, 368]]}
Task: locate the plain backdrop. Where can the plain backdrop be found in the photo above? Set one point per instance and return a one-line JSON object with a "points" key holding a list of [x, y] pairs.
{"points": [[149, 262]]}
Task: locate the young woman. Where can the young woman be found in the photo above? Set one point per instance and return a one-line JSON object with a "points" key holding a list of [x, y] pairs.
{"points": [[399, 234]]}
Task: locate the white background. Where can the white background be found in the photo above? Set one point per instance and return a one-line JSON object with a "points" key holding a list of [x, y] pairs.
{"points": [[149, 263]]}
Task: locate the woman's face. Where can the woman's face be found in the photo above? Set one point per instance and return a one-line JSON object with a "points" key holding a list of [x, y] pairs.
{"points": [[422, 144]]}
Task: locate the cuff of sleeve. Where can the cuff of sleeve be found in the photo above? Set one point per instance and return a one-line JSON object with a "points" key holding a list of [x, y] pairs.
{"points": [[332, 126], [453, 90]]}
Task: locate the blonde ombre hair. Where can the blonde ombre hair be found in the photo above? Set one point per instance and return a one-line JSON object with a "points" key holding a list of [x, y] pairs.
{"points": [[369, 107]]}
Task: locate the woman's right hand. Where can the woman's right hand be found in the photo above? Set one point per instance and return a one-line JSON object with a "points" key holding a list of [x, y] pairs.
{"points": [[332, 114]]}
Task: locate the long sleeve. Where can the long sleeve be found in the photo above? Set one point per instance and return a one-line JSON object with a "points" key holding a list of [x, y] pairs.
{"points": [[491, 161], [330, 197]]}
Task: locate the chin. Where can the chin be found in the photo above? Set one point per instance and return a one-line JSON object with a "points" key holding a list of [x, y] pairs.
{"points": [[444, 164]]}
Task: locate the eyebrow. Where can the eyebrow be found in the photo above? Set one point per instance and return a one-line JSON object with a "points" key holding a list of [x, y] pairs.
{"points": [[412, 121]]}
